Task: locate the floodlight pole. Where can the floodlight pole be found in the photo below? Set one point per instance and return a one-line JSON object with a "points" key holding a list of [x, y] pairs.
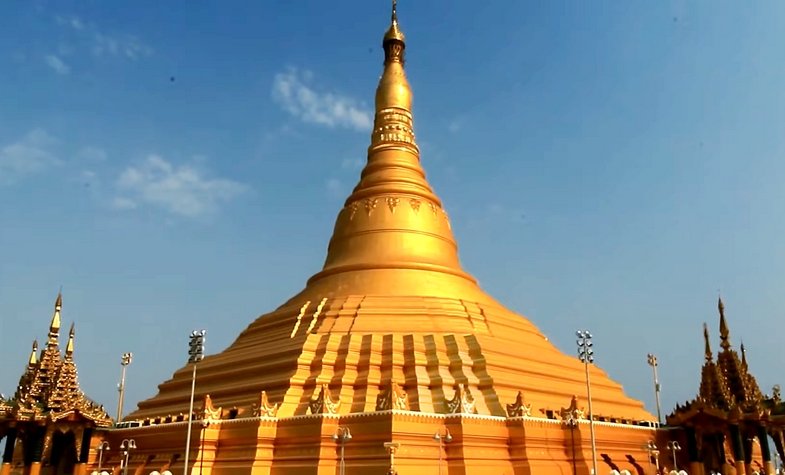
{"points": [[195, 355], [586, 353]]}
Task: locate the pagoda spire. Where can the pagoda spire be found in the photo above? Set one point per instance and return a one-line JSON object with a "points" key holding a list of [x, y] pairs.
{"points": [[724, 332], [706, 344], [393, 225], [33, 355], [54, 326], [69, 349]]}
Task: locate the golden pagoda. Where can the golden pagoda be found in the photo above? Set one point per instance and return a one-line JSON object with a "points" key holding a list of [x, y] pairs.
{"points": [[726, 428], [49, 424], [391, 360]]}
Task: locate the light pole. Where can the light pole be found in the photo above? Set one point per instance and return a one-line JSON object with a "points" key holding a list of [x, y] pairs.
{"points": [[101, 447], [654, 452], [652, 359], [586, 355], [126, 447], [195, 355], [342, 436], [674, 446], [124, 361], [445, 438]]}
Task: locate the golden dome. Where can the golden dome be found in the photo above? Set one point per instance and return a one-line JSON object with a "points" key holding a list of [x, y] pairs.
{"points": [[392, 304]]}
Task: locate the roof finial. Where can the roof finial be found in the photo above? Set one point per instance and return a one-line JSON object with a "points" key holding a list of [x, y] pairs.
{"points": [[724, 332], [395, 11], [69, 349], [33, 354], [54, 326], [743, 355], [706, 343]]}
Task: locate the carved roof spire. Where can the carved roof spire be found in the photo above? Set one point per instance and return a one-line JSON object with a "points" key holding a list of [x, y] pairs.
{"points": [[69, 349], [54, 326], [724, 332], [743, 355], [707, 343], [33, 355]]}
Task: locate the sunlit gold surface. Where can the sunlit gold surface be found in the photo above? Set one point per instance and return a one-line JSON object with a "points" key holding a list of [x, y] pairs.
{"points": [[394, 339]]}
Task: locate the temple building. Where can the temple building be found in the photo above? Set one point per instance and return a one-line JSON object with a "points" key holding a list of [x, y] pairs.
{"points": [[49, 422], [726, 428], [392, 359]]}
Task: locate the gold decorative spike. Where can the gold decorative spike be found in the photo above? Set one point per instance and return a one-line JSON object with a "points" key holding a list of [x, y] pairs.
{"points": [[462, 402], [54, 326], [707, 344], [209, 411], [571, 414], [724, 332], [323, 402], [33, 355], [264, 408], [392, 398], [519, 408], [743, 355], [69, 348]]}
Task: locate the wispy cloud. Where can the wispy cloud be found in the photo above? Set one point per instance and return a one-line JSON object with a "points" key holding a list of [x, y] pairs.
{"points": [[182, 190], [57, 64], [292, 91], [33, 153], [101, 43], [125, 46]]}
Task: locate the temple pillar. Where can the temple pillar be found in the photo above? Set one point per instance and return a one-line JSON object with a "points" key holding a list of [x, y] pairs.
{"points": [[765, 451], [693, 456], [738, 449], [748, 441], [36, 452], [8, 453], [725, 467]]}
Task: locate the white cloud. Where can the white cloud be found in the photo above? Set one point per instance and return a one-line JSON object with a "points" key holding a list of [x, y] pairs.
{"points": [[182, 190], [334, 187], [292, 91], [91, 154], [101, 43], [352, 163], [57, 64], [124, 46], [72, 21], [31, 154]]}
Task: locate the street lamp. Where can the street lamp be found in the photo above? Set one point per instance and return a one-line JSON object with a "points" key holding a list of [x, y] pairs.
{"points": [[195, 355], [652, 359], [124, 361], [104, 445], [654, 452], [674, 446], [342, 436], [126, 447], [586, 355], [445, 438]]}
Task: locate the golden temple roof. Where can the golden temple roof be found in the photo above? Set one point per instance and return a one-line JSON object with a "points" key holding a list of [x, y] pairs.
{"points": [[49, 388], [392, 320]]}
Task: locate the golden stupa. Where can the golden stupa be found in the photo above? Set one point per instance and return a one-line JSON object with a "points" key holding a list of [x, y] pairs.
{"points": [[394, 343]]}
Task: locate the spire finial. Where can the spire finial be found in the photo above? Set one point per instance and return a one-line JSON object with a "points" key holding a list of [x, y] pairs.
{"points": [[54, 326], [395, 11], [33, 354], [69, 349], [724, 332], [706, 343], [743, 355]]}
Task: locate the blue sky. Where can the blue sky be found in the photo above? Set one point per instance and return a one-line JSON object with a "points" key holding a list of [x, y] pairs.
{"points": [[179, 165]]}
